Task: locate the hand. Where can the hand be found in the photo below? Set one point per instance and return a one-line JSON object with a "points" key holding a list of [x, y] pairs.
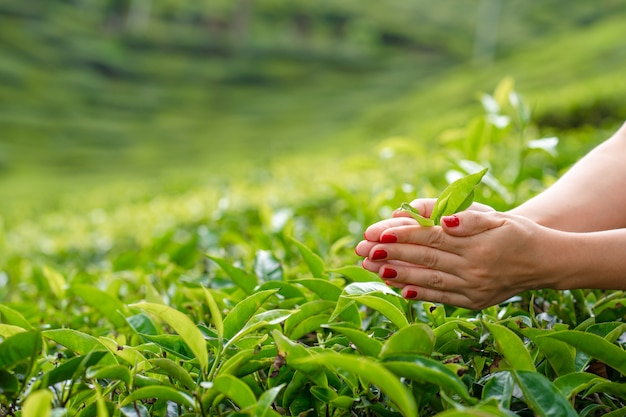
{"points": [[474, 259], [425, 207]]}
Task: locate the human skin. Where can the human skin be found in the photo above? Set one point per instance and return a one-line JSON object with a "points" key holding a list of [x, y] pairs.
{"points": [[570, 236]]}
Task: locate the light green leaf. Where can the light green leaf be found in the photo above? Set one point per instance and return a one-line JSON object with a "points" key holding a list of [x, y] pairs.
{"points": [[245, 280], [383, 306], [8, 330], [237, 318], [457, 196], [161, 392], [559, 354], [235, 389], [114, 372], [174, 371], [511, 347], [426, 370], [313, 260], [542, 396], [423, 221], [306, 310], [371, 371], [572, 384], [185, 328], [324, 289], [415, 338], [216, 314], [293, 352], [18, 348], [356, 273], [38, 404], [594, 346], [266, 400], [13, 317], [110, 307], [367, 345], [55, 281]]}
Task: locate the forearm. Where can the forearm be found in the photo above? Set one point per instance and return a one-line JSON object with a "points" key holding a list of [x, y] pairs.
{"points": [[591, 196], [591, 260]]}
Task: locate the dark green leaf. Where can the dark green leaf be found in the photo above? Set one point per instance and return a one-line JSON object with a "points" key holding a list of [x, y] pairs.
{"points": [[511, 347], [542, 396], [365, 343], [18, 348], [162, 392], [236, 319]]}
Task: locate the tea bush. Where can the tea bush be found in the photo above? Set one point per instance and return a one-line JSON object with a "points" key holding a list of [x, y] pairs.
{"points": [[251, 302]]}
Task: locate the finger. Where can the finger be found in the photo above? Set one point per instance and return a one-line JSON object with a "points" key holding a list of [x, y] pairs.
{"points": [[421, 255], [423, 205], [412, 292], [373, 232], [374, 266], [470, 223], [434, 237]]}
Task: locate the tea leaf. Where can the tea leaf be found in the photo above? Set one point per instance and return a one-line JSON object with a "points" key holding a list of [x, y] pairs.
{"points": [[185, 328], [366, 344], [216, 314], [572, 384], [243, 279], [416, 338], [38, 404], [457, 196], [426, 370], [161, 392], [423, 221], [237, 318], [510, 346], [175, 371], [314, 261], [15, 318], [542, 396], [594, 346], [235, 389], [371, 371]]}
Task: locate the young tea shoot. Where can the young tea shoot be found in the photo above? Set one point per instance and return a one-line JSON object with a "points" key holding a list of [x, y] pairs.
{"points": [[456, 197]]}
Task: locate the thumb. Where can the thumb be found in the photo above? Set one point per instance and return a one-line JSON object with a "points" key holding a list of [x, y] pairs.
{"points": [[470, 222]]}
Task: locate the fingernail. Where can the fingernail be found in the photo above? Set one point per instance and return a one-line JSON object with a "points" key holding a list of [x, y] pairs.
{"points": [[450, 221], [410, 294], [388, 239], [389, 273], [379, 254]]}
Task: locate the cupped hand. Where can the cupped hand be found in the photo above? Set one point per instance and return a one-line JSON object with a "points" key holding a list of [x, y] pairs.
{"points": [[474, 259], [425, 207]]}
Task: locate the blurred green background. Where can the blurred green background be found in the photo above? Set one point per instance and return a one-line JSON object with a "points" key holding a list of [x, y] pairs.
{"points": [[124, 99]]}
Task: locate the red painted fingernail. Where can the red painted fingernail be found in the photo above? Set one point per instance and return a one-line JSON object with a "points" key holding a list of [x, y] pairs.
{"points": [[410, 294], [379, 254], [388, 239], [389, 273], [450, 221]]}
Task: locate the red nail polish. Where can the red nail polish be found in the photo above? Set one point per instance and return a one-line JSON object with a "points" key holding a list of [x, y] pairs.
{"points": [[379, 254], [410, 294], [388, 239], [450, 221], [389, 273]]}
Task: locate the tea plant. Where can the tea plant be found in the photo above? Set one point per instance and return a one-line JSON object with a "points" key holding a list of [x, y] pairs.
{"points": [[246, 319]]}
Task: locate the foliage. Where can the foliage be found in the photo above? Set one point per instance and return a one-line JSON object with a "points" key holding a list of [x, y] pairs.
{"points": [[261, 310]]}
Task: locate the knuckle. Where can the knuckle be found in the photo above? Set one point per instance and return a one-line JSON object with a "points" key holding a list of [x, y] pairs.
{"points": [[435, 279], [436, 237], [429, 259]]}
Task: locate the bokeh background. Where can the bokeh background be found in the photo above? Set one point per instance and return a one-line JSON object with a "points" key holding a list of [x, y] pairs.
{"points": [[106, 100]]}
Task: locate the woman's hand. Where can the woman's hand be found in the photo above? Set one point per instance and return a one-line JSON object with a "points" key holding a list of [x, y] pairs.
{"points": [[474, 259]]}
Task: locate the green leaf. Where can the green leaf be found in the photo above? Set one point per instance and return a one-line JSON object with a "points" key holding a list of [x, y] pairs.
{"points": [[18, 348], [216, 314], [266, 400], [559, 354], [162, 392], [9, 385], [72, 368], [55, 281], [293, 352], [314, 261], [235, 389], [511, 347], [114, 372], [423, 221], [499, 386], [425, 370], [371, 371], [38, 404], [542, 396], [267, 267], [305, 311], [110, 307], [15, 318], [366, 344], [242, 312], [572, 384], [245, 280], [594, 346], [258, 321], [185, 328], [356, 273], [415, 338], [174, 371], [8, 330], [457, 196], [383, 306], [79, 342], [324, 289]]}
